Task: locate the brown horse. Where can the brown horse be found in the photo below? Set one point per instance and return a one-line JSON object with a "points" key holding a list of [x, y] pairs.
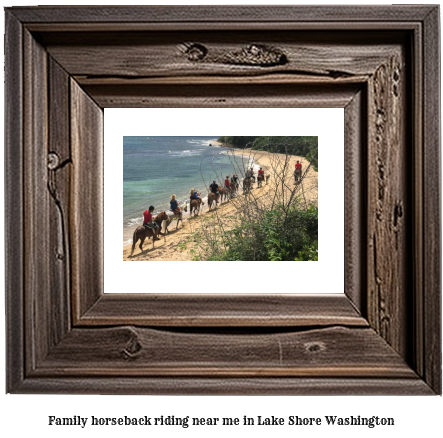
{"points": [[194, 206], [247, 185], [212, 199], [234, 188], [225, 193], [143, 232], [260, 179], [297, 176]]}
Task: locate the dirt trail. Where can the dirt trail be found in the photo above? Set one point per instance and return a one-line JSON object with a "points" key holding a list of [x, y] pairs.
{"points": [[176, 246]]}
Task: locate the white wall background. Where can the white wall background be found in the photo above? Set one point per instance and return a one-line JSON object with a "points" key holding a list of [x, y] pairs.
{"points": [[26, 415], [324, 276]]}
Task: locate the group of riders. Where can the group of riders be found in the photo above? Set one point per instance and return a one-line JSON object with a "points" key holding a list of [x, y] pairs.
{"points": [[231, 184], [148, 221]]}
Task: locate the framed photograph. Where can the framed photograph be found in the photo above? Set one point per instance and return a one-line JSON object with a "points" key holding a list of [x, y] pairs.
{"points": [[379, 332], [154, 167]]}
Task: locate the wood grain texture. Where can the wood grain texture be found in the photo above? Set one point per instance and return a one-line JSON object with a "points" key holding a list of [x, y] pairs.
{"points": [[265, 79], [14, 239], [232, 26], [388, 204], [129, 351], [431, 318], [225, 386], [417, 358], [38, 305], [167, 54], [86, 215], [355, 196], [66, 64], [242, 14], [225, 96], [59, 179], [205, 310]]}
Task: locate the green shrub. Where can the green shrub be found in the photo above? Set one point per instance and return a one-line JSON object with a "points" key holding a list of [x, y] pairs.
{"points": [[303, 146], [281, 235]]}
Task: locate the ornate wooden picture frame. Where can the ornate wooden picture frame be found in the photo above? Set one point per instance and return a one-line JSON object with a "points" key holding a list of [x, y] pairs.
{"points": [[65, 64]]}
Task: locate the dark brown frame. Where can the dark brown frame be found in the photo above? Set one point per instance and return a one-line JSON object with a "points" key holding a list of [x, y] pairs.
{"points": [[64, 65]]}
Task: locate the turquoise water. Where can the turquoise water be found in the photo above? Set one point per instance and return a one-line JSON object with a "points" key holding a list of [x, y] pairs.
{"points": [[154, 168]]}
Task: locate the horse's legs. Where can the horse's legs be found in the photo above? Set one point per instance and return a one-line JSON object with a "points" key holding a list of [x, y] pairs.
{"points": [[134, 241], [178, 220], [141, 243]]}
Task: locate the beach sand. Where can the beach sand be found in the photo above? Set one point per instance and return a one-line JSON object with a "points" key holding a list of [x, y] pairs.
{"points": [[175, 246]]}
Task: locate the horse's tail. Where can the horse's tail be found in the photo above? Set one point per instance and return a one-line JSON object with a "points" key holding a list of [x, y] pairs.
{"points": [[134, 241]]}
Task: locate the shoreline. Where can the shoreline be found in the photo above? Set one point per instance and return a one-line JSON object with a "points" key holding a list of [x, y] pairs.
{"points": [[175, 247], [134, 220], [244, 153]]}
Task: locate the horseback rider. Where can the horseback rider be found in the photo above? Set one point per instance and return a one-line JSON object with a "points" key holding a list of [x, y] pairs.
{"points": [[227, 182], [298, 168], [234, 182], [214, 189], [260, 177], [195, 195], [250, 178], [174, 206], [251, 173], [149, 223]]}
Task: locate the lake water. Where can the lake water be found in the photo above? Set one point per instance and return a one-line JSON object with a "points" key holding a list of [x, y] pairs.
{"points": [[155, 168]]}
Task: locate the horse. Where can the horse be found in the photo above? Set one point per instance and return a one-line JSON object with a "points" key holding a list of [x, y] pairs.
{"points": [[234, 188], [260, 179], [212, 198], [297, 175], [194, 206], [142, 232], [179, 216], [247, 185], [225, 193], [267, 178]]}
